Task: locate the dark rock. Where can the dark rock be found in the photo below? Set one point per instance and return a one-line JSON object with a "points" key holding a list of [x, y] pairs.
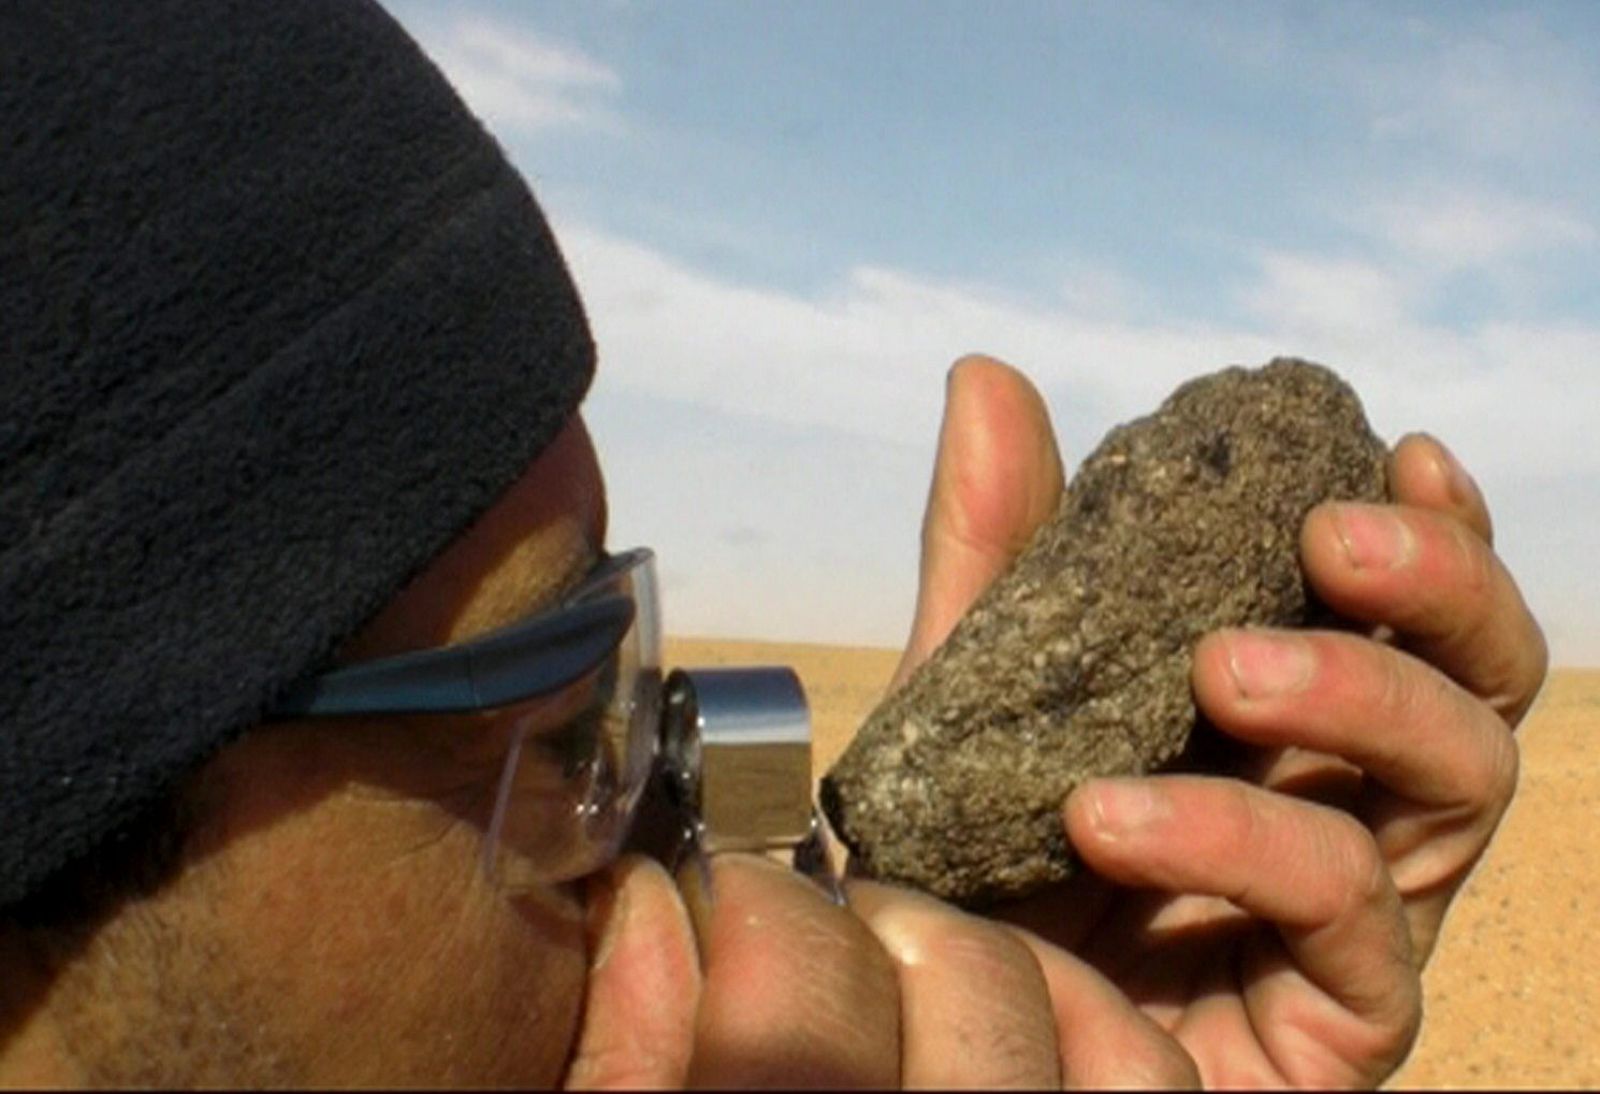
{"points": [[1076, 662]]}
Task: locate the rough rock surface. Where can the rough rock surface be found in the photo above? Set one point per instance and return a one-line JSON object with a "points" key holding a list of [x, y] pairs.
{"points": [[1076, 662]]}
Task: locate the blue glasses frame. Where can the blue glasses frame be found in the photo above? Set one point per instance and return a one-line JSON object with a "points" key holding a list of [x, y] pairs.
{"points": [[530, 658]]}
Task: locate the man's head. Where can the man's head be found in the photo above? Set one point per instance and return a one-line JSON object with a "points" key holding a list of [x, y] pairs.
{"points": [[292, 367], [327, 920]]}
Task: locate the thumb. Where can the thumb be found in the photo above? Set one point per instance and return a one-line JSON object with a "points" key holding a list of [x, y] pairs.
{"points": [[996, 478], [644, 983]]}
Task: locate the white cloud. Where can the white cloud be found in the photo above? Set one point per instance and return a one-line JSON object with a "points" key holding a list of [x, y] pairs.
{"points": [[1514, 398], [518, 81], [868, 355], [1312, 294], [830, 403], [1451, 228]]}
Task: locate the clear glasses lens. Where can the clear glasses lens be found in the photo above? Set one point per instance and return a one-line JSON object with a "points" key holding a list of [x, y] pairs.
{"points": [[578, 762]]}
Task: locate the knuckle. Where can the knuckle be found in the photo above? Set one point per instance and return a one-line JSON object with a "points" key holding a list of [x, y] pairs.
{"points": [[1523, 679], [1411, 694], [1500, 768], [1392, 1020], [1395, 686], [1455, 600], [1409, 1007], [1538, 659], [1507, 679], [1474, 562], [1354, 858], [979, 950], [1489, 769], [1240, 810], [1400, 1022]]}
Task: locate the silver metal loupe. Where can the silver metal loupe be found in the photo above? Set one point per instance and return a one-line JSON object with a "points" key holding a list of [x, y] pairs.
{"points": [[735, 764]]}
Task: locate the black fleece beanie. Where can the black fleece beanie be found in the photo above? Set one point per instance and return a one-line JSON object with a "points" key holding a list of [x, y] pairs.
{"points": [[277, 321]]}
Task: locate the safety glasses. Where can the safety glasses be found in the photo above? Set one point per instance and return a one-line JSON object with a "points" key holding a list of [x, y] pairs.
{"points": [[591, 727], [578, 687]]}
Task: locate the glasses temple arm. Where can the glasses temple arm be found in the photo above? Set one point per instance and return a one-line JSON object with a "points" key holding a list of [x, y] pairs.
{"points": [[522, 662]]}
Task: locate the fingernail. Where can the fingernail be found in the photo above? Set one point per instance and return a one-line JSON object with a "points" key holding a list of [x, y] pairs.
{"points": [[1121, 807], [1374, 538], [697, 879], [1265, 665]]}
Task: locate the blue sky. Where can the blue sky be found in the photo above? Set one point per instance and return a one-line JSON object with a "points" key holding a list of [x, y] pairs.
{"points": [[788, 219]]}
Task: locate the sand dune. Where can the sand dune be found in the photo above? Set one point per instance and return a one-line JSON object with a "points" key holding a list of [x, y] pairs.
{"points": [[1513, 992]]}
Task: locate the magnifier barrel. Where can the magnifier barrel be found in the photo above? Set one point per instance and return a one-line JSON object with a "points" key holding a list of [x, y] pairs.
{"points": [[738, 742], [733, 773]]}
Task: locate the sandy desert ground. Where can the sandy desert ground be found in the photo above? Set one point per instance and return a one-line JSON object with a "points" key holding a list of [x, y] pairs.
{"points": [[1513, 992]]}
